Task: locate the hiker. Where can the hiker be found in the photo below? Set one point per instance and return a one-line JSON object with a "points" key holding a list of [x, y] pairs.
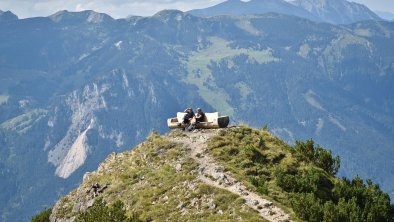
{"points": [[95, 188], [188, 117], [200, 116]]}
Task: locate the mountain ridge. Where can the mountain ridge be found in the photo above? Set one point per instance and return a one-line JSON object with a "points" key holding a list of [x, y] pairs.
{"points": [[176, 176], [337, 11], [237, 7], [89, 16], [334, 12]]}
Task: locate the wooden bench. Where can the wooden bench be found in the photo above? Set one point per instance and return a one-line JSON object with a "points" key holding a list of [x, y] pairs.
{"points": [[211, 121]]}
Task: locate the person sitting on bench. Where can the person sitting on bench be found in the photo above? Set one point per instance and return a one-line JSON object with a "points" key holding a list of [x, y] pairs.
{"points": [[188, 116], [200, 116]]}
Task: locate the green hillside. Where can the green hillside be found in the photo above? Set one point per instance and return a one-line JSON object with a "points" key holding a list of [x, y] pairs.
{"points": [[234, 174]]}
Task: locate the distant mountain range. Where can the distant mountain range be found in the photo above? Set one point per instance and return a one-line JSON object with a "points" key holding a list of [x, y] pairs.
{"points": [[76, 86], [238, 7], [331, 11]]}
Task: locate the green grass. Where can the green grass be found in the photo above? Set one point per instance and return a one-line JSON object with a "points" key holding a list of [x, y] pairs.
{"points": [[21, 124], [201, 76], [245, 24], [65, 210], [146, 181], [3, 99], [244, 91], [253, 156], [43, 216], [334, 52], [299, 179]]}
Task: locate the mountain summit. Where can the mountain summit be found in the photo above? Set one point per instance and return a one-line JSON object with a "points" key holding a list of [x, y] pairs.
{"points": [[238, 7], [233, 174], [7, 16], [88, 16], [331, 11], [337, 11]]}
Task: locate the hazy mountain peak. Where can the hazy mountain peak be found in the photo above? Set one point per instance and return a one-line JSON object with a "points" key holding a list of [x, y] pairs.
{"points": [[337, 11], [237, 7], [171, 15], [83, 16], [7, 16], [168, 12], [331, 11]]}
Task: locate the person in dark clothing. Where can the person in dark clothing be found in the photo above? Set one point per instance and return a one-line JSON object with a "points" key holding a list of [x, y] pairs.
{"points": [[188, 116], [187, 119], [200, 116]]}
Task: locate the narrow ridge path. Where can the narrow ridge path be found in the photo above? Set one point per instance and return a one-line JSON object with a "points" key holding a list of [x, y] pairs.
{"points": [[213, 174]]}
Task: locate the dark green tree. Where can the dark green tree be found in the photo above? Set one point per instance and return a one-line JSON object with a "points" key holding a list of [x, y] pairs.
{"points": [[101, 212], [324, 159], [43, 216], [307, 207], [306, 151]]}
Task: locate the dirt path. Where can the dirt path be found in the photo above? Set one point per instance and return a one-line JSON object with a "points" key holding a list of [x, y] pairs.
{"points": [[213, 174]]}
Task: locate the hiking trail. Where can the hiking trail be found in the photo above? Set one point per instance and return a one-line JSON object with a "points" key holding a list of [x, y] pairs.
{"points": [[213, 174]]}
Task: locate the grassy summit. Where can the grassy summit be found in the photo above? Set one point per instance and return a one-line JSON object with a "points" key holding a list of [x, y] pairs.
{"points": [[300, 178], [234, 174], [158, 180]]}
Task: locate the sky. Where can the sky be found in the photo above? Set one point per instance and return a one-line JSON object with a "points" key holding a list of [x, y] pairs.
{"points": [[124, 8]]}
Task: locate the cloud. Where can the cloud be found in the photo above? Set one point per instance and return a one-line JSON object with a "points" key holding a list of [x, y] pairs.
{"points": [[124, 8], [115, 8]]}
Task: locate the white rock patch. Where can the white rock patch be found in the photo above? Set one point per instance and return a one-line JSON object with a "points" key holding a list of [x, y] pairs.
{"points": [[319, 126], [76, 156], [310, 98], [337, 123], [118, 45]]}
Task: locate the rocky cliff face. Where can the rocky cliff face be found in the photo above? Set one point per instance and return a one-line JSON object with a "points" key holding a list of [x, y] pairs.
{"points": [[71, 151]]}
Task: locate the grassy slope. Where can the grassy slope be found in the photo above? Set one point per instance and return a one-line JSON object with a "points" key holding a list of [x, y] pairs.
{"points": [[147, 181], [158, 180], [201, 76], [3, 99], [23, 123], [235, 149], [282, 174]]}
